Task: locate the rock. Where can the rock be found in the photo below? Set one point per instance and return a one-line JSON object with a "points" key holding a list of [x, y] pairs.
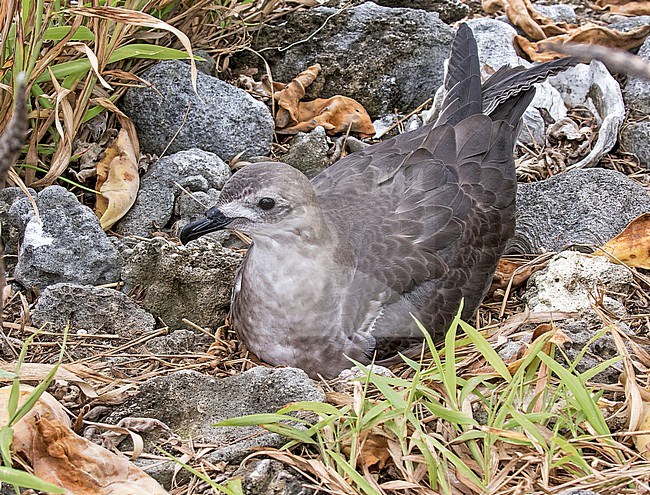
{"points": [[193, 281], [627, 23], [588, 206], [223, 119], [92, 309], [178, 342], [569, 283], [558, 13], [384, 58], [268, 477], [208, 66], [66, 245], [592, 86], [635, 139], [309, 152], [448, 10], [637, 89], [190, 403], [10, 234], [192, 207], [192, 170], [570, 280]]}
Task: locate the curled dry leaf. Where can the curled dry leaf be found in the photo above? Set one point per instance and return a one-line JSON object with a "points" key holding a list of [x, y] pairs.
{"points": [[590, 34], [289, 98], [117, 179], [507, 270], [625, 7], [61, 457], [632, 246], [642, 441], [523, 15], [336, 114]]}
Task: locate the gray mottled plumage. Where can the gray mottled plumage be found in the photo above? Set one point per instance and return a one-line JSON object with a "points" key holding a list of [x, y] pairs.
{"points": [[412, 225]]}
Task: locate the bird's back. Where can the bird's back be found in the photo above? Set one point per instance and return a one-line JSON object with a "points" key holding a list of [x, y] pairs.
{"points": [[428, 213]]}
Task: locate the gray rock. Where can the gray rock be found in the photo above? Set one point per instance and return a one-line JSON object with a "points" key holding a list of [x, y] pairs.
{"points": [[178, 342], [627, 23], [208, 66], [588, 206], [384, 58], [637, 89], [635, 139], [560, 12], [193, 281], [190, 403], [10, 234], [570, 280], [309, 152], [581, 333], [448, 10], [66, 245], [192, 170], [191, 208], [92, 309], [569, 283], [268, 477], [222, 119]]}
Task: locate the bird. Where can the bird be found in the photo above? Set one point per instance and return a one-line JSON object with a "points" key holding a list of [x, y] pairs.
{"points": [[340, 267]]}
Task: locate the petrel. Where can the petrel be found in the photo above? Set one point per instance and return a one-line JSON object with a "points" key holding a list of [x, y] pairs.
{"points": [[408, 228]]}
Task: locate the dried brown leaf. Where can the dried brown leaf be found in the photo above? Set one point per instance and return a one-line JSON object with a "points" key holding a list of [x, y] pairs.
{"points": [[117, 180], [61, 457], [336, 115], [625, 7], [522, 14], [632, 246], [590, 34], [511, 270], [642, 441], [289, 98]]}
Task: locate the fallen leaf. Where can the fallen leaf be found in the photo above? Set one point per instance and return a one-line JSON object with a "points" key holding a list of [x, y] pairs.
{"points": [[625, 7], [61, 457], [289, 98], [507, 270], [522, 14], [590, 34], [642, 441], [374, 448], [336, 114], [117, 179], [632, 246]]}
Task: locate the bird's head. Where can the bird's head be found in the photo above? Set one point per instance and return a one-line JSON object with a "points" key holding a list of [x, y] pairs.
{"points": [[261, 200]]}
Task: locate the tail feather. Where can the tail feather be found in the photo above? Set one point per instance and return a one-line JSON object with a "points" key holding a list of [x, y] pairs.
{"points": [[504, 96], [463, 80], [508, 82]]}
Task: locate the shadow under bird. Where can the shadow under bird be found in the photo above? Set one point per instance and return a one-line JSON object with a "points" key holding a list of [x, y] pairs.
{"points": [[409, 226]]}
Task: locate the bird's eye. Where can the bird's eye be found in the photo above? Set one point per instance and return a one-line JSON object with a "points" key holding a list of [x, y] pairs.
{"points": [[266, 203]]}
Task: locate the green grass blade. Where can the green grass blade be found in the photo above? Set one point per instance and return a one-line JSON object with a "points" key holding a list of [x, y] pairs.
{"points": [[352, 473], [486, 350], [26, 480]]}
